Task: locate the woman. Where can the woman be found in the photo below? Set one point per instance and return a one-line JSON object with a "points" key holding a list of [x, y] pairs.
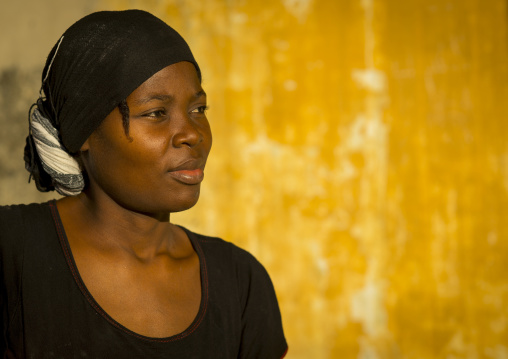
{"points": [[122, 133]]}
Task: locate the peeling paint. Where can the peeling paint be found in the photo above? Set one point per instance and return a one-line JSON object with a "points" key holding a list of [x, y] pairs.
{"points": [[298, 8], [367, 307], [370, 79]]}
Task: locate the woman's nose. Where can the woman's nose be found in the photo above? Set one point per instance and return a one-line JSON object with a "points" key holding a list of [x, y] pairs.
{"points": [[186, 132]]}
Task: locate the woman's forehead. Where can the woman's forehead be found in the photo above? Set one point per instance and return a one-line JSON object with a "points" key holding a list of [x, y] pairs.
{"points": [[176, 79]]}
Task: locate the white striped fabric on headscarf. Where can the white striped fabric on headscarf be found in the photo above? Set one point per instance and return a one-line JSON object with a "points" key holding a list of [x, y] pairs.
{"points": [[56, 161]]}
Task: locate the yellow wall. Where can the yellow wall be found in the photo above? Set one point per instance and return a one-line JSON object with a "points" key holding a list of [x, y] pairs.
{"points": [[361, 153]]}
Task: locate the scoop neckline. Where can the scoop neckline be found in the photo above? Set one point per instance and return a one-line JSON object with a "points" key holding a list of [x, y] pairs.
{"points": [[62, 236]]}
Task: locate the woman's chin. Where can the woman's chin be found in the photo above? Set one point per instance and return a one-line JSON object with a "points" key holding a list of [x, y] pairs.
{"points": [[171, 205], [183, 207]]}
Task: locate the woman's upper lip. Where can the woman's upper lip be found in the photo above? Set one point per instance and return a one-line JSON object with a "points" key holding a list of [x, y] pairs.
{"points": [[188, 165]]}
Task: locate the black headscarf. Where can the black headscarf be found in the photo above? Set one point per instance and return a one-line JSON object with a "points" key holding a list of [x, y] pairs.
{"points": [[98, 62]]}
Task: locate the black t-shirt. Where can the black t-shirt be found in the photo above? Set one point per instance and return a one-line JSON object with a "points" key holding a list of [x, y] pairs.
{"points": [[47, 312]]}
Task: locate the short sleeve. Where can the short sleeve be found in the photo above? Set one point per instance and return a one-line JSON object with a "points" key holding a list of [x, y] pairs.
{"points": [[262, 333]]}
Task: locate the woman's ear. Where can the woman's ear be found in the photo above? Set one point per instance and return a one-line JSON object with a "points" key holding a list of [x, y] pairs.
{"points": [[82, 154], [85, 146]]}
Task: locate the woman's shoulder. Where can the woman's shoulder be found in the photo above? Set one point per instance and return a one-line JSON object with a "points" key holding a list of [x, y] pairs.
{"points": [[232, 263], [20, 218], [225, 251], [13, 211]]}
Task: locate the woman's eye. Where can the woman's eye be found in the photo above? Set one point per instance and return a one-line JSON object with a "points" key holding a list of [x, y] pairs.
{"points": [[200, 109], [155, 114]]}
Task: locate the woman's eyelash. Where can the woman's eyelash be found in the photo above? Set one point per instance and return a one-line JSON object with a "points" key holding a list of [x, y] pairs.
{"points": [[200, 109], [162, 113], [158, 113]]}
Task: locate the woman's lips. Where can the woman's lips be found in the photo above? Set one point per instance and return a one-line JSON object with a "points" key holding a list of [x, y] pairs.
{"points": [[188, 176]]}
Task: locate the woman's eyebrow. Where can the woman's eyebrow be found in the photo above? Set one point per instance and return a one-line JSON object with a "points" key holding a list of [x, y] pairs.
{"points": [[200, 94], [164, 98], [152, 97]]}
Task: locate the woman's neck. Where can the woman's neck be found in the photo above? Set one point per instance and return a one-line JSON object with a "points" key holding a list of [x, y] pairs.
{"points": [[102, 223]]}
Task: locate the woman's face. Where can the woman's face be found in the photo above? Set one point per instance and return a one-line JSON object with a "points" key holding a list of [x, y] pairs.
{"points": [[160, 167]]}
